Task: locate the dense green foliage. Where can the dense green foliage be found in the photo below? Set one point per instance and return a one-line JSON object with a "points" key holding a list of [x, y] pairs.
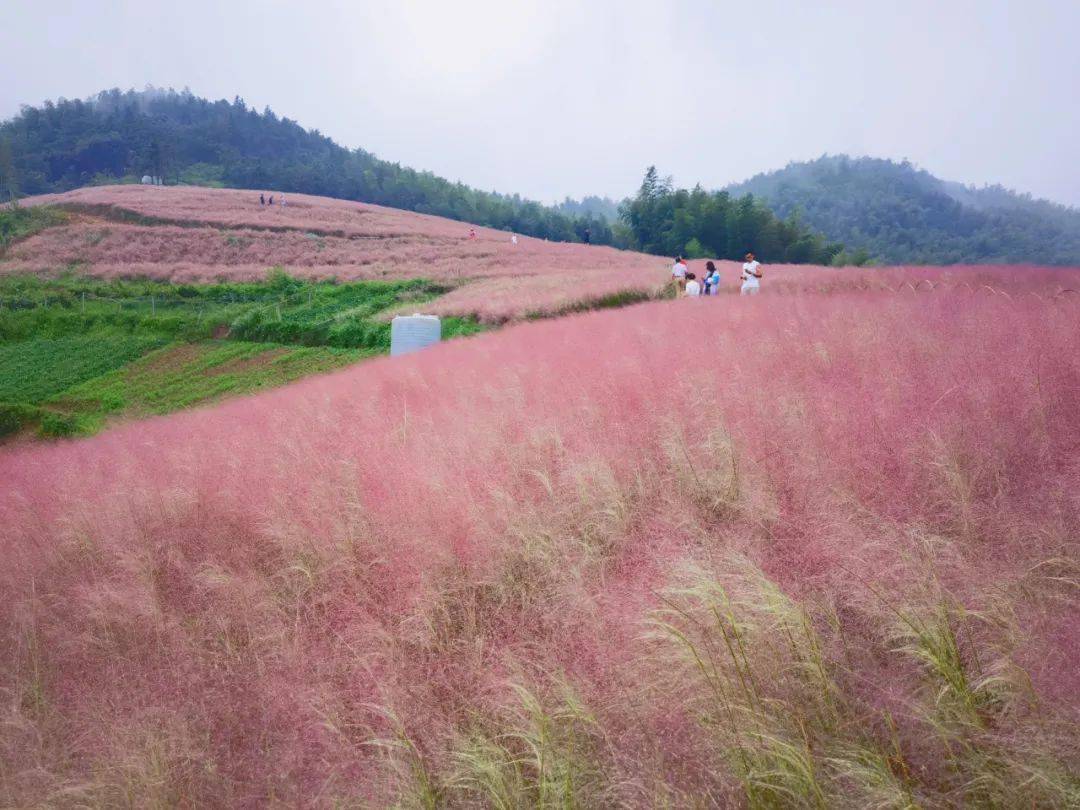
{"points": [[122, 136], [700, 224], [75, 349], [18, 223], [900, 214]]}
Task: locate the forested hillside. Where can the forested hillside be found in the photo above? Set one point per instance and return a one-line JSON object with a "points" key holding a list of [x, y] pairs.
{"points": [[898, 213], [184, 139], [699, 224]]}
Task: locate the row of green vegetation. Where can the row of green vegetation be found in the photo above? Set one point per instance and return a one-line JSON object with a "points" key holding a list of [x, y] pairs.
{"points": [[76, 351]]}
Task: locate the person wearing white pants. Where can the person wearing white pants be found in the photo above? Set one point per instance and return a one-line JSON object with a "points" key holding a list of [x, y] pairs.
{"points": [[751, 276]]}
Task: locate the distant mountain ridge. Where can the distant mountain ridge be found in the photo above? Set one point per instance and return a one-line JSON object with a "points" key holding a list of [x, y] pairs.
{"points": [[902, 214]]}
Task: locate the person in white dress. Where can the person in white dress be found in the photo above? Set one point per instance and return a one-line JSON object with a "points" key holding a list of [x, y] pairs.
{"points": [[693, 286], [751, 276]]}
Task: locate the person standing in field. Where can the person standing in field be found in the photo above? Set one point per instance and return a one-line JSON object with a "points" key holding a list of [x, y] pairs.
{"points": [[472, 233], [678, 273], [271, 199], [693, 287], [712, 279], [751, 276], [513, 239], [587, 236], [262, 199]]}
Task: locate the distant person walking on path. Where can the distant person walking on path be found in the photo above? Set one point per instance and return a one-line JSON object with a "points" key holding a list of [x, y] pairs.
{"points": [[262, 199], [678, 273], [693, 287], [751, 276], [587, 236]]}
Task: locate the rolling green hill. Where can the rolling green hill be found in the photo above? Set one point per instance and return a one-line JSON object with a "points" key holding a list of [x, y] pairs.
{"points": [[117, 136], [901, 214]]}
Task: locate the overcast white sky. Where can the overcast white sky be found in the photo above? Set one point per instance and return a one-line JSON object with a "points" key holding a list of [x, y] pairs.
{"points": [[552, 98]]}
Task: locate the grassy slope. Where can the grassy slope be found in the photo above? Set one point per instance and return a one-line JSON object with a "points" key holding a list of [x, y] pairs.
{"points": [[59, 335], [180, 376], [19, 223], [188, 234], [37, 370], [70, 346]]}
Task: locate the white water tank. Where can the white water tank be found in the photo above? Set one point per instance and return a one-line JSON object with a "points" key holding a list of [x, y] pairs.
{"points": [[409, 333]]}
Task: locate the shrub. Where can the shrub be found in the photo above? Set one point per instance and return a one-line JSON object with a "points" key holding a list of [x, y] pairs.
{"points": [[58, 425], [15, 417]]}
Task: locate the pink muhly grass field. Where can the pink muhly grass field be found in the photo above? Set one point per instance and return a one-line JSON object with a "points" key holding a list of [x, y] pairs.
{"points": [[692, 552], [194, 234], [237, 208], [197, 234]]}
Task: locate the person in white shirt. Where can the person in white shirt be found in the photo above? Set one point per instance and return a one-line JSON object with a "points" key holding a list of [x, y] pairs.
{"points": [[678, 273], [693, 287], [751, 276]]}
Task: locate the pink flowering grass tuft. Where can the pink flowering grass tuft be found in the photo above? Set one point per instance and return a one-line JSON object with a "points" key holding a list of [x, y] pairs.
{"points": [[724, 551]]}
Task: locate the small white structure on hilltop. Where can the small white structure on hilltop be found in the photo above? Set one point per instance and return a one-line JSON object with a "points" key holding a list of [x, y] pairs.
{"points": [[410, 333], [151, 180]]}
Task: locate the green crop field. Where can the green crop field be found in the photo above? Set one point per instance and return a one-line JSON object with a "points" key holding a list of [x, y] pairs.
{"points": [[36, 370], [76, 352], [185, 374]]}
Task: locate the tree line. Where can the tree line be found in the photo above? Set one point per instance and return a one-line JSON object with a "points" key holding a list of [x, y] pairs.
{"points": [[700, 224]]}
